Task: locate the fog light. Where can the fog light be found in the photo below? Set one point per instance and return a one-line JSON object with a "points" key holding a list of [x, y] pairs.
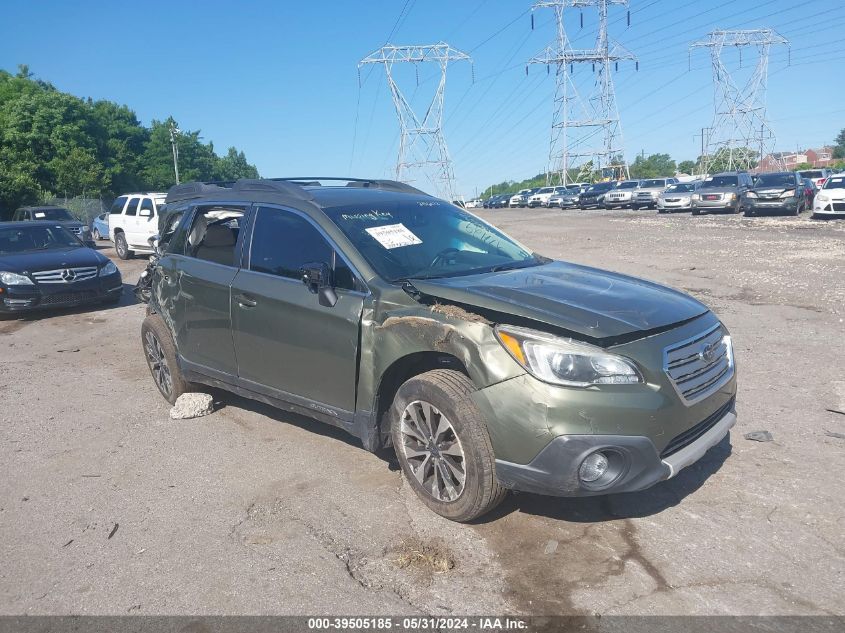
{"points": [[593, 467]]}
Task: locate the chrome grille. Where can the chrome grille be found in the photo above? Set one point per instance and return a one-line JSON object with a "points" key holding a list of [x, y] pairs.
{"points": [[65, 275], [76, 230], [700, 365]]}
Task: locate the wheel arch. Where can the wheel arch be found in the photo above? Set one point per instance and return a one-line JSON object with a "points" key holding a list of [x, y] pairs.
{"points": [[399, 372]]}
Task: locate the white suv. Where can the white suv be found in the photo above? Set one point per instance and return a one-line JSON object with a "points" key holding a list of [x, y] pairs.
{"points": [[133, 219]]}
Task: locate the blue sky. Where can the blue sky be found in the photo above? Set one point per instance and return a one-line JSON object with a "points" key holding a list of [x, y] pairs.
{"points": [[279, 79]]}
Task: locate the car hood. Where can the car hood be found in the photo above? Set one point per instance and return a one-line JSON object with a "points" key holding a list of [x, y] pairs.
{"points": [[51, 259], [590, 302]]}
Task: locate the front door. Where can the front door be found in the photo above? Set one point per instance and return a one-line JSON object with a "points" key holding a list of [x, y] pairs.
{"points": [[285, 340]]}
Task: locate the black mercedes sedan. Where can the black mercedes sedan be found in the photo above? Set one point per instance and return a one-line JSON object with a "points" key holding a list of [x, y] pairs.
{"points": [[43, 265]]}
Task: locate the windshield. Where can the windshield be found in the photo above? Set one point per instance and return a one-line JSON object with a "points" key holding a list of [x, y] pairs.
{"points": [[546, 190], [682, 186], [835, 182], [630, 184], [35, 238], [602, 186], [54, 215], [775, 180], [721, 181], [425, 239], [812, 173], [652, 183]]}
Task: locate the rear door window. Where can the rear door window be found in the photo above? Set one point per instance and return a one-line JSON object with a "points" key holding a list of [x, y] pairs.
{"points": [[132, 207], [214, 234]]}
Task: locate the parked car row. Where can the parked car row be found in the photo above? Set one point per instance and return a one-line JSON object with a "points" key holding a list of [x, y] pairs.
{"points": [[786, 192]]}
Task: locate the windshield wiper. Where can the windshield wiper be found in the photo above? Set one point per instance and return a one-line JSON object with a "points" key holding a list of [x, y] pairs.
{"points": [[516, 265]]}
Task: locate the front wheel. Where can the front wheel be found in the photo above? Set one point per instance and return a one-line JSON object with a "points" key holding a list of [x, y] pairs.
{"points": [[443, 445], [96, 235], [122, 247]]}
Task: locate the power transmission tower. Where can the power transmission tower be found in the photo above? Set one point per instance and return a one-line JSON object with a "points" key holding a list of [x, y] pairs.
{"points": [[422, 145], [739, 118], [586, 133]]}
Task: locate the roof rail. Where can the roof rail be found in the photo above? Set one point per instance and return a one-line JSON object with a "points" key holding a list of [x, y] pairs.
{"points": [[189, 190], [387, 185], [294, 187]]}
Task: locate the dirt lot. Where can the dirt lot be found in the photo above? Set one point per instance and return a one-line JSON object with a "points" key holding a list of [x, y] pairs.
{"points": [[109, 507]]}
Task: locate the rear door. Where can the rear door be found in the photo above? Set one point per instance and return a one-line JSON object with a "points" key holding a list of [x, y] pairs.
{"points": [[195, 277], [287, 344]]}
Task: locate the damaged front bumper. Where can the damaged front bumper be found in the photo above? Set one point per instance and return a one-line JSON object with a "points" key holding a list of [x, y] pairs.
{"points": [[635, 463], [542, 433]]}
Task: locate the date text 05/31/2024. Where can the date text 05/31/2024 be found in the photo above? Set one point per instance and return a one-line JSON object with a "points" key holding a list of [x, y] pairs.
{"points": [[418, 623]]}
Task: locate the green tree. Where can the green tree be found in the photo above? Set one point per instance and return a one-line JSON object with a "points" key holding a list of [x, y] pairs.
{"points": [[51, 141], [233, 166], [839, 147], [654, 166], [803, 166], [687, 166]]}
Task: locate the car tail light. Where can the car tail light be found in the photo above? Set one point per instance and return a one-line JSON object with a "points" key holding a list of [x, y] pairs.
{"points": [[820, 182]]}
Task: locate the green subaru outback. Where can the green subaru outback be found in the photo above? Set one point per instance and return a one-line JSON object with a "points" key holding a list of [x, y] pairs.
{"points": [[412, 323]]}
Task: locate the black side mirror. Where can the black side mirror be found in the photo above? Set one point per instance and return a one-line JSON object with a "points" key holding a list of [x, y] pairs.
{"points": [[317, 277]]}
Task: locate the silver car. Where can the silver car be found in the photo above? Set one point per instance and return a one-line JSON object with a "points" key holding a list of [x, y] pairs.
{"points": [[648, 191], [677, 197]]}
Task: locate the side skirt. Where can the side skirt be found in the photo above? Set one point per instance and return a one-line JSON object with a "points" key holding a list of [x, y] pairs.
{"points": [[358, 424]]}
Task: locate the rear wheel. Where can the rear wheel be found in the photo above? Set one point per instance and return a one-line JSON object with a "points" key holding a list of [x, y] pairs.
{"points": [[160, 353], [443, 445], [96, 235], [122, 247]]}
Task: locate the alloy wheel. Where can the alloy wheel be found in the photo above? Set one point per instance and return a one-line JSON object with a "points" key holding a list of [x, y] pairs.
{"points": [[158, 364], [433, 451]]}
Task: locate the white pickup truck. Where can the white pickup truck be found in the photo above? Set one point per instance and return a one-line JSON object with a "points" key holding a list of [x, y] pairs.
{"points": [[133, 219]]}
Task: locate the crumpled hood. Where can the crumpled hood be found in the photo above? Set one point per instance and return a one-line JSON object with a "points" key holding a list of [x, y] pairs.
{"points": [[588, 301], [51, 259]]}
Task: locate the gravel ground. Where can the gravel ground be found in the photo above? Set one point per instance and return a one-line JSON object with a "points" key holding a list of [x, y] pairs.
{"points": [[107, 506]]}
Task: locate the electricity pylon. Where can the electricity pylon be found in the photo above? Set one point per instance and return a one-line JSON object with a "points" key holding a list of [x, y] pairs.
{"points": [[739, 117], [422, 144], [586, 133]]}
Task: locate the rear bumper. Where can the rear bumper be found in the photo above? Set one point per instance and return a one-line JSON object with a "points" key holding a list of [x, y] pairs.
{"points": [[554, 471]]}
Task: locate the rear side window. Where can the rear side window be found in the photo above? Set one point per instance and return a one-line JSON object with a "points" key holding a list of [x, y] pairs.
{"points": [[117, 206], [132, 207], [282, 242]]}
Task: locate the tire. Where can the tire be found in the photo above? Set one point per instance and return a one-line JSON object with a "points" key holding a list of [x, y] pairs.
{"points": [[444, 395], [749, 214], [96, 235], [160, 353], [122, 247], [696, 212]]}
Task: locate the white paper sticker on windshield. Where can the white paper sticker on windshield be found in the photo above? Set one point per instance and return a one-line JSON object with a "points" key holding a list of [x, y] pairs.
{"points": [[393, 236], [40, 214]]}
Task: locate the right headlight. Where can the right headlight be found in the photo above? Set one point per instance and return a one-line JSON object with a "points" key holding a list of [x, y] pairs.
{"points": [[14, 279], [561, 361]]}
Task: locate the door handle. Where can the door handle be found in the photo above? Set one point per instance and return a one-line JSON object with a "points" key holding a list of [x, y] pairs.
{"points": [[245, 301]]}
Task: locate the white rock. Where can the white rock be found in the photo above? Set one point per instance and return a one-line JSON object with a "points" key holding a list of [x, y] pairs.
{"points": [[192, 405]]}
